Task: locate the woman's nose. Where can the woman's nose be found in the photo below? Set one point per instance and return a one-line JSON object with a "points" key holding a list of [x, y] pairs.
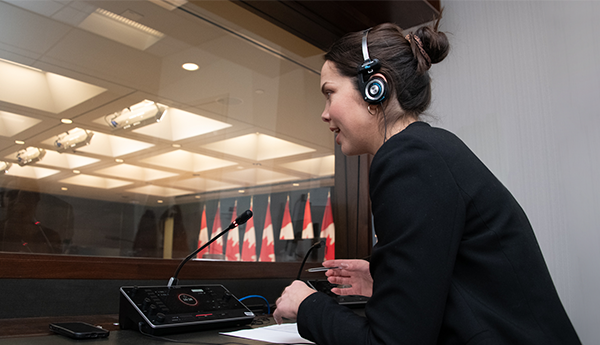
{"points": [[325, 115]]}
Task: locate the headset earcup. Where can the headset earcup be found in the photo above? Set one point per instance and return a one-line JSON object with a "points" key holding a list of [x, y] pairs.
{"points": [[375, 90]]}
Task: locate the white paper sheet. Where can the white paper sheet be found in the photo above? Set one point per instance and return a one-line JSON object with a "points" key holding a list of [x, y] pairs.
{"points": [[286, 333]]}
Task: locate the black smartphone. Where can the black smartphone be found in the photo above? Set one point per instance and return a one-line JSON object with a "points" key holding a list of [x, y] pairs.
{"points": [[78, 330], [325, 286]]}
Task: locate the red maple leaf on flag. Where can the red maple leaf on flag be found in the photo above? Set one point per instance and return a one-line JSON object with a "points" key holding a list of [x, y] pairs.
{"points": [[328, 231], [267, 248], [287, 230], [307, 226], [217, 246], [203, 235], [233, 240], [249, 245]]}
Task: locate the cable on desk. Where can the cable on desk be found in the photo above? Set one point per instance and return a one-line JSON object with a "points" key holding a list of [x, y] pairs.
{"points": [[258, 296]]}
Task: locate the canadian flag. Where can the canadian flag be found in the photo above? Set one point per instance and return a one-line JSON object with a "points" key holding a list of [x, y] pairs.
{"points": [[203, 235], [267, 249], [233, 240], [328, 231], [287, 231], [217, 246], [249, 245], [307, 226]]}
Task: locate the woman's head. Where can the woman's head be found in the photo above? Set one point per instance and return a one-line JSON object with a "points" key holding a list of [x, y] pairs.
{"points": [[405, 61]]}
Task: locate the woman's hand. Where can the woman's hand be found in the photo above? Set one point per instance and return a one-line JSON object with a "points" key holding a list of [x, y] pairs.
{"points": [[289, 302], [351, 273]]}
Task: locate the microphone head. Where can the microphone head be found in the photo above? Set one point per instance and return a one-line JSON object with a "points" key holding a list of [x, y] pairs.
{"points": [[244, 217]]}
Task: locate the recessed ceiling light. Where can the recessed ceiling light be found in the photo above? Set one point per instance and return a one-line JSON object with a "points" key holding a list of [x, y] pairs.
{"points": [[64, 188], [119, 160], [20, 142], [76, 172], [295, 184], [176, 145], [66, 121], [189, 66], [159, 201], [241, 191]]}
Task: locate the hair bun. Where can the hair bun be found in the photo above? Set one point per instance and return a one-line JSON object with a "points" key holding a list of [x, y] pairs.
{"points": [[435, 43]]}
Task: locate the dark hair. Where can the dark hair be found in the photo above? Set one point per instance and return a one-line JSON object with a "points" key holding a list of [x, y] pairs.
{"points": [[405, 61]]}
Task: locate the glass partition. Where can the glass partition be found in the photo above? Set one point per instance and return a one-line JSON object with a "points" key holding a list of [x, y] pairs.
{"points": [[140, 129]]}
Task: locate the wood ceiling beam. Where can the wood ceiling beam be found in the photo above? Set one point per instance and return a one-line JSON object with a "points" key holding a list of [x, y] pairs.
{"points": [[323, 22]]}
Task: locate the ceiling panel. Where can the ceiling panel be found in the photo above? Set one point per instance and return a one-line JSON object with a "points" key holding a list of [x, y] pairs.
{"points": [[28, 31]]}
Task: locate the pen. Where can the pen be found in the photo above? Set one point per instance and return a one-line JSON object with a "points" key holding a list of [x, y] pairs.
{"points": [[321, 269]]}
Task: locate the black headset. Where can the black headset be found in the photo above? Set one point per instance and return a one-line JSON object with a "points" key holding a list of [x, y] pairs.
{"points": [[373, 89]]}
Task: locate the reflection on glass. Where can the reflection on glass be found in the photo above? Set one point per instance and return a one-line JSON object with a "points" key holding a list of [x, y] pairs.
{"points": [[40, 223], [242, 131]]}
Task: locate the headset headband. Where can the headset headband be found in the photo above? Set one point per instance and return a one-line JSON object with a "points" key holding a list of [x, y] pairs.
{"points": [[365, 50], [368, 67], [373, 89]]}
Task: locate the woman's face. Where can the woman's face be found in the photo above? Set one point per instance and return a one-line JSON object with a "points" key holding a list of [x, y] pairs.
{"points": [[347, 115]]}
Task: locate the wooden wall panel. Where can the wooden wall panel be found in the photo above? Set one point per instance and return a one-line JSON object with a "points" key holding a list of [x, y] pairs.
{"points": [[39, 266], [351, 206]]}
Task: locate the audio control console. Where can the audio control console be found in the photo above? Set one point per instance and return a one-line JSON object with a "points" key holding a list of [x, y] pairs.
{"points": [[162, 310]]}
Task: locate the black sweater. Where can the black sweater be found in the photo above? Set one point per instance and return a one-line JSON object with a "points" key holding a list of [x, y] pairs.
{"points": [[456, 261]]}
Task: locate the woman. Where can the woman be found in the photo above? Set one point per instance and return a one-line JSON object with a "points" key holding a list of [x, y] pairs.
{"points": [[456, 260]]}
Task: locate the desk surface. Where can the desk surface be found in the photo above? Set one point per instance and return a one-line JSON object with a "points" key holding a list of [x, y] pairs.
{"points": [[129, 337]]}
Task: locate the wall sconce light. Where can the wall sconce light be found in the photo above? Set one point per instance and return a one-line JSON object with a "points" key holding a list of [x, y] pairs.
{"points": [[30, 155], [70, 140], [136, 116], [4, 166]]}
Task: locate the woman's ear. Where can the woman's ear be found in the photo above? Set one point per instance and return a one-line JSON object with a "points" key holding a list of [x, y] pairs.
{"points": [[379, 75]]}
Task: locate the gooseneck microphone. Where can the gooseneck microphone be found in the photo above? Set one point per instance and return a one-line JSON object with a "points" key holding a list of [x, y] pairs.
{"points": [[314, 246], [241, 219], [39, 225]]}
